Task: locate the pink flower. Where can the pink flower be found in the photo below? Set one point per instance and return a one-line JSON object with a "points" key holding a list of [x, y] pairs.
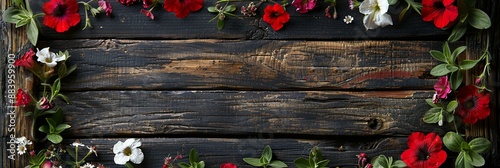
{"points": [[45, 104], [442, 88], [304, 6], [106, 6], [47, 164], [228, 165]]}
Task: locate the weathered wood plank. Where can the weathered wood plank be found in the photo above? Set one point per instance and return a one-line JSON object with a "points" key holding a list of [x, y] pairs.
{"points": [[260, 64], [128, 22], [215, 151], [140, 113]]}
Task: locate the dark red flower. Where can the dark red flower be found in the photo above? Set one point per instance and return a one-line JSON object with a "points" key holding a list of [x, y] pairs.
{"points": [[22, 98], [424, 151], [148, 13], [106, 6], [26, 60], [276, 16], [127, 2], [182, 8], [442, 12], [472, 105], [60, 14], [45, 104], [228, 165]]}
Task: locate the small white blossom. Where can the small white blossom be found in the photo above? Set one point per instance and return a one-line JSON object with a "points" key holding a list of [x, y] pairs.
{"points": [[92, 149], [128, 151], [77, 143], [21, 149], [375, 12], [348, 19], [23, 141], [49, 58], [87, 165]]}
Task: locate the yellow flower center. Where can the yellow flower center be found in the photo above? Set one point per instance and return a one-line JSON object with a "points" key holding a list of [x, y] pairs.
{"points": [[127, 151]]}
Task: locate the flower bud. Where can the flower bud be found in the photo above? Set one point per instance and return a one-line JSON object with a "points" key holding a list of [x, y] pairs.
{"points": [[45, 104], [47, 164]]}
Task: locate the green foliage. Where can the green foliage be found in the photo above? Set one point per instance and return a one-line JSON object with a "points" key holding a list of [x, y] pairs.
{"points": [[54, 127], [469, 15], [37, 160], [468, 152], [265, 160], [450, 66], [193, 161], [222, 12], [315, 160], [21, 15], [382, 161]]}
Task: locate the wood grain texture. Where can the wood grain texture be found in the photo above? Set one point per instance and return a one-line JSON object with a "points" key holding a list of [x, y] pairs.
{"points": [[248, 65], [128, 22], [215, 151], [212, 113]]}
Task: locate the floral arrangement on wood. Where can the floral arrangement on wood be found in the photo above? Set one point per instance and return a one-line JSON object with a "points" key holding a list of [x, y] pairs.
{"points": [[452, 102]]}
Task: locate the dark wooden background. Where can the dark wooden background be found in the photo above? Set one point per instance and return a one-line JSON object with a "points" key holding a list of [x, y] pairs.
{"points": [[179, 84]]}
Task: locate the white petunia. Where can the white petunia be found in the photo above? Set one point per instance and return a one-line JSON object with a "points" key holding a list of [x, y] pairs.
{"points": [[49, 58], [128, 151], [87, 165], [375, 12]]}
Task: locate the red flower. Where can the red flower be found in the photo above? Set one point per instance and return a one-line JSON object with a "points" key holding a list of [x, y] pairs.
{"points": [[26, 60], [60, 14], [228, 165], [127, 2], [182, 8], [472, 105], [22, 98], [424, 151], [106, 6], [276, 16], [148, 13], [442, 12]]}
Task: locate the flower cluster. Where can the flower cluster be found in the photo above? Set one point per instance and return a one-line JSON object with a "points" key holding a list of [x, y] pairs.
{"points": [[22, 143]]}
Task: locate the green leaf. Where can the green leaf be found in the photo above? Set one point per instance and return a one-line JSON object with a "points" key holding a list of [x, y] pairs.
{"points": [[403, 12], [129, 165], [430, 103], [60, 128], [253, 161], [220, 24], [457, 52], [56, 86], [399, 164], [480, 145], [70, 70], [380, 161], [277, 164], [478, 19], [456, 79], [453, 141], [47, 112], [433, 115], [201, 164], [464, 146], [438, 55], [230, 8], [62, 70], [452, 105], [193, 156], [58, 117], [460, 161], [468, 64], [476, 159], [212, 9], [27, 114], [392, 2], [66, 99], [451, 68], [447, 51], [44, 129], [183, 165], [9, 13], [32, 32], [458, 32], [440, 70], [323, 163], [52, 125], [55, 138], [301, 163], [267, 154]]}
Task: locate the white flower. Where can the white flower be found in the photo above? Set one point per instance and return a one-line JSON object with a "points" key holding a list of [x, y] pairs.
{"points": [[23, 141], [375, 13], [21, 149], [128, 151], [77, 143], [92, 149], [49, 58], [348, 19], [87, 165]]}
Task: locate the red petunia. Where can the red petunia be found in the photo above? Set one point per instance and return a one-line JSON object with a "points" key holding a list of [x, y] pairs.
{"points": [[228, 165], [424, 151], [442, 12], [276, 16], [60, 14], [182, 8], [22, 98], [26, 60], [472, 105]]}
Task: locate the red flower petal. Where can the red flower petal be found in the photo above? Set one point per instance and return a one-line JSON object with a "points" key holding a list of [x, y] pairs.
{"points": [[276, 16], [472, 104], [424, 151], [61, 14], [182, 8], [442, 12]]}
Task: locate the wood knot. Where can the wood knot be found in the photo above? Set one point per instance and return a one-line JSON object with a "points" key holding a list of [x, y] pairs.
{"points": [[374, 124]]}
